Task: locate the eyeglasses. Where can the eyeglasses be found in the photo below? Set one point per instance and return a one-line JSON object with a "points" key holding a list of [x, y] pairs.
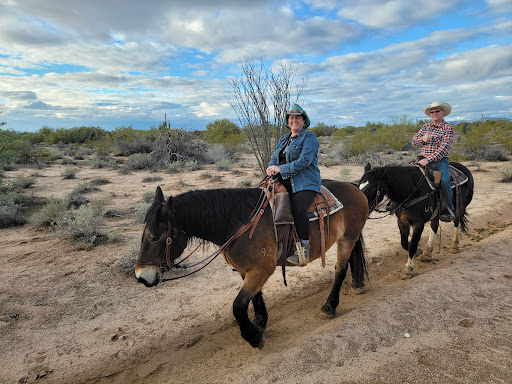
{"points": [[432, 112]]}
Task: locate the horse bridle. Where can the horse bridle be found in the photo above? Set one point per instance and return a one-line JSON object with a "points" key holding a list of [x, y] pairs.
{"points": [[163, 264]]}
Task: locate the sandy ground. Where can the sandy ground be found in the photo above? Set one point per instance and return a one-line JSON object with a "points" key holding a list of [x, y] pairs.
{"points": [[74, 315]]}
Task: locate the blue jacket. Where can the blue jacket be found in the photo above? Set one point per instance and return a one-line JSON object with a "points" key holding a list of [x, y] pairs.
{"points": [[301, 161]]}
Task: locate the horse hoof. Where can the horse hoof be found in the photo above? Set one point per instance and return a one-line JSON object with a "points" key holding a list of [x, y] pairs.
{"points": [[357, 290], [453, 250], [425, 258], [405, 275], [328, 311]]}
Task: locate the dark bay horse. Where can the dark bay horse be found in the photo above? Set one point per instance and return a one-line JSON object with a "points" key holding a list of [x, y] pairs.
{"points": [[414, 204], [215, 215]]}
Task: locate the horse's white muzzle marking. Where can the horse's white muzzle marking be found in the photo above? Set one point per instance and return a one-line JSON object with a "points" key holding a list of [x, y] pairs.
{"points": [[147, 274], [362, 186]]}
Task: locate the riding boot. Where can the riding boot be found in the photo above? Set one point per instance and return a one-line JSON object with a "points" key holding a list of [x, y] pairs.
{"points": [[301, 255]]}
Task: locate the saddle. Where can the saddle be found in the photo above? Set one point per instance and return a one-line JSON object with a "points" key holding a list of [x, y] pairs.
{"points": [[324, 204]]}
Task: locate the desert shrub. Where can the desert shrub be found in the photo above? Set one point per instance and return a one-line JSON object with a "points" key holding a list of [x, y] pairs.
{"points": [[99, 181], [72, 135], [103, 162], [345, 175], [174, 167], [22, 183], [139, 161], [83, 224], [223, 132], [244, 183], [329, 162], [69, 173], [192, 165], [506, 175], [217, 153], [84, 187], [148, 197], [76, 200], [224, 165], [151, 179], [178, 145], [322, 130], [51, 214], [484, 153], [10, 210]]}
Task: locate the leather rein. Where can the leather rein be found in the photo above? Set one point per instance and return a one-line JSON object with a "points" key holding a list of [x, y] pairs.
{"points": [[166, 263]]}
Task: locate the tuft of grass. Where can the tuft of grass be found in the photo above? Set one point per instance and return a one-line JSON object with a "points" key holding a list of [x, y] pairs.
{"points": [[174, 167], [69, 173], [224, 165], [506, 175], [345, 175], [22, 183], [10, 210], [192, 165], [51, 214], [84, 187], [244, 183], [151, 179], [83, 224]]}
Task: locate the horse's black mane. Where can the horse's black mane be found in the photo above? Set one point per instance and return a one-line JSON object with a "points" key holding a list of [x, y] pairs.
{"points": [[209, 214], [400, 180]]}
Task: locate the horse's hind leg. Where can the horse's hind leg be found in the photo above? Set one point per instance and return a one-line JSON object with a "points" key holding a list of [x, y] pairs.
{"points": [[454, 246], [344, 250], [357, 267]]}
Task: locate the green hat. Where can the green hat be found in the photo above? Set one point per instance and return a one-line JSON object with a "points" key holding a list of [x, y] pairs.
{"points": [[297, 110]]}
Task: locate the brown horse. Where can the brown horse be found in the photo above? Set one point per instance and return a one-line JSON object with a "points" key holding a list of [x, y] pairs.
{"points": [[215, 215]]}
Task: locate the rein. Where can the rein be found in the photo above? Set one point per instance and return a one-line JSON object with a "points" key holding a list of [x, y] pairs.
{"points": [[256, 214], [403, 202]]}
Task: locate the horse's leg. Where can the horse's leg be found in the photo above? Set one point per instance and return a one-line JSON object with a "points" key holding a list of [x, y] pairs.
{"points": [[417, 230], [344, 250], [260, 311], [404, 234], [251, 291], [426, 256], [454, 246], [357, 268]]}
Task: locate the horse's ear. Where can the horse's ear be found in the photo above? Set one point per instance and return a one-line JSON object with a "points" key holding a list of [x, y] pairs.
{"points": [[367, 167], [159, 195]]}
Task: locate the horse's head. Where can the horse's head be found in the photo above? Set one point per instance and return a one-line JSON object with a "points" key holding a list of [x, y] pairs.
{"points": [[373, 187], [157, 237]]}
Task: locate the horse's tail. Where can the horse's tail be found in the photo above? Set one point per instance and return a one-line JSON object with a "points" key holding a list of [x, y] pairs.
{"points": [[358, 264]]}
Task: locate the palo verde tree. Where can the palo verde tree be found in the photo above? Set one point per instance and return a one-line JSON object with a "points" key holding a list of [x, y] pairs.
{"points": [[261, 98]]}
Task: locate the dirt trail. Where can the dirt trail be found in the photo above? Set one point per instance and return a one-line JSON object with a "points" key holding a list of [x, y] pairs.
{"points": [[70, 315]]}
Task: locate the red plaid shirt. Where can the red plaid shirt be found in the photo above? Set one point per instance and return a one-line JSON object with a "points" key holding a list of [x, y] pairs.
{"points": [[441, 137]]}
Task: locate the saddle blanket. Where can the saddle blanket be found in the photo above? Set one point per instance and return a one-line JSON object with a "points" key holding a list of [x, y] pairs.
{"points": [[457, 177], [319, 204]]}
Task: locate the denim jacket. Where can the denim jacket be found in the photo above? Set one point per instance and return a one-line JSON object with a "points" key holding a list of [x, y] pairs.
{"points": [[301, 161]]}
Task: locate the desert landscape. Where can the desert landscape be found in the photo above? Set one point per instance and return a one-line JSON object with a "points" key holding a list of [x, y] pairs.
{"points": [[71, 313]]}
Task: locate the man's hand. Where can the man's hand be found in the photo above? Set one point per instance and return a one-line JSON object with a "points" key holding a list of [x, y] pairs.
{"points": [[423, 162], [426, 138]]}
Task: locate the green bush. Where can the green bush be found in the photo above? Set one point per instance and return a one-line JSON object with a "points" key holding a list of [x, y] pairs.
{"points": [[321, 130], [22, 183], [10, 210], [51, 214], [69, 173], [83, 224], [506, 175], [223, 132]]}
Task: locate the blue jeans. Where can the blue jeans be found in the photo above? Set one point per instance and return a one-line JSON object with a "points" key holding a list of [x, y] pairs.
{"points": [[446, 189]]}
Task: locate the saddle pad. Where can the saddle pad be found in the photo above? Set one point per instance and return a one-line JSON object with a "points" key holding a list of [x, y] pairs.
{"points": [[457, 177], [318, 204]]}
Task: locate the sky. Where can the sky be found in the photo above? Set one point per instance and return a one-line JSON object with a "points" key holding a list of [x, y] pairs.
{"points": [[114, 63]]}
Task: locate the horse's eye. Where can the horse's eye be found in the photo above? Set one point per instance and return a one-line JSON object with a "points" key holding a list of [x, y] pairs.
{"points": [[154, 238]]}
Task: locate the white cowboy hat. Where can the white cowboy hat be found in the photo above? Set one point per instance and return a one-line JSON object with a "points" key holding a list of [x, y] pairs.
{"points": [[436, 104]]}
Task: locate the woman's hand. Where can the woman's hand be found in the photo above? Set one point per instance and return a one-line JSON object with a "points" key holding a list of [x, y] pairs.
{"points": [[273, 170]]}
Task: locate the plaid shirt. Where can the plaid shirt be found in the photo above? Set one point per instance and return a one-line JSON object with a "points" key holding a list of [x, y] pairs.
{"points": [[441, 137]]}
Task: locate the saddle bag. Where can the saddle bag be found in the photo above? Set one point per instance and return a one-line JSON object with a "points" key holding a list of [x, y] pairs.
{"points": [[283, 209]]}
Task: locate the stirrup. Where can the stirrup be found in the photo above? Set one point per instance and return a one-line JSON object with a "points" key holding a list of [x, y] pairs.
{"points": [[447, 217], [301, 255]]}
